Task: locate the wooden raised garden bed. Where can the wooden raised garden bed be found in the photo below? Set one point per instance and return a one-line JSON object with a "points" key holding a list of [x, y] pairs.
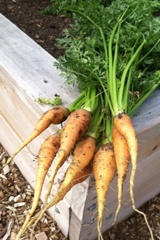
{"points": [[27, 73]]}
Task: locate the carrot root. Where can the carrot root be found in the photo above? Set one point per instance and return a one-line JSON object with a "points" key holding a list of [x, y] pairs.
{"points": [[104, 169], [99, 225], [58, 163], [61, 192], [124, 125], [46, 155], [122, 157]]}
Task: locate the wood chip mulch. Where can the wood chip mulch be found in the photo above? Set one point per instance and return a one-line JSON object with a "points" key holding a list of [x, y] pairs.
{"points": [[15, 200]]}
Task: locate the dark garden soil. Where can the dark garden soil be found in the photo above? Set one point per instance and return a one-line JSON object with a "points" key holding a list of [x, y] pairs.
{"points": [[45, 29]]}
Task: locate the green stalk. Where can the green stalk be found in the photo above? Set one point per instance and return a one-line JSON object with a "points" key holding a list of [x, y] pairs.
{"points": [[108, 131], [111, 84], [114, 79], [77, 103], [94, 128], [106, 95], [149, 51], [123, 78], [126, 90], [87, 100], [142, 99], [108, 124], [80, 104], [91, 100]]}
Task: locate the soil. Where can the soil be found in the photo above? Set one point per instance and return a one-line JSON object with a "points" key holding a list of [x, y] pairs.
{"points": [[45, 29]]}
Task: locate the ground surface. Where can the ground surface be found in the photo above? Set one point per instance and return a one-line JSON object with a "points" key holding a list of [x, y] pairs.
{"points": [[44, 30]]}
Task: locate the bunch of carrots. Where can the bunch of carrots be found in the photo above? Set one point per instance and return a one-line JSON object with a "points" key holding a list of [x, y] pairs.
{"points": [[97, 128]]}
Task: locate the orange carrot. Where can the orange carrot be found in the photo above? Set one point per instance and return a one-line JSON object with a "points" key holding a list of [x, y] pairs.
{"points": [[83, 155], [55, 115], [123, 124], [61, 191], [64, 188], [74, 129], [104, 170], [122, 158], [46, 155]]}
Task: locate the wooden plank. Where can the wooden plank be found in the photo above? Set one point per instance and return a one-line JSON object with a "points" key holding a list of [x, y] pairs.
{"points": [[31, 65]]}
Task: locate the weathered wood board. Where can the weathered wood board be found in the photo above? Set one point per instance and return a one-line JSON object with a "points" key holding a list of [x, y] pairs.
{"points": [[27, 73]]}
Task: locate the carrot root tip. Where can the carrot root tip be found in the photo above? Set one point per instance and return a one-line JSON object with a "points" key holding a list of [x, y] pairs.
{"points": [[99, 225]]}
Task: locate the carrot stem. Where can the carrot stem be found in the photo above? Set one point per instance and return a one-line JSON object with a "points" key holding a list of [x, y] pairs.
{"points": [[123, 78], [142, 99], [112, 67], [77, 103]]}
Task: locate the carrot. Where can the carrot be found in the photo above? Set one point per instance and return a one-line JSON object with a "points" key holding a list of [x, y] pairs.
{"points": [[122, 158], [64, 188], [60, 194], [46, 155], [55, 115], [104, 170], [124, 125], [74, 129], [83, 155]]}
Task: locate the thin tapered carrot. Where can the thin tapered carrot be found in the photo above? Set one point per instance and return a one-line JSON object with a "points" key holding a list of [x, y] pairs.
{"points": [[46, 155], [73, 130], [79, 178], [82, 156], [62, 191], [122, 158], [124, 125], [104, 170], [55, 115]]}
